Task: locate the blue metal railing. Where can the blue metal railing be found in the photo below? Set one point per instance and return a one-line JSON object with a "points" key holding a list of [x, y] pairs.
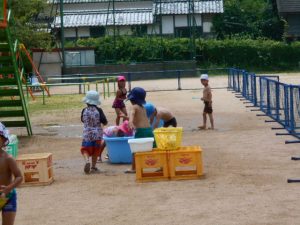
{"points": [[279, 101]]}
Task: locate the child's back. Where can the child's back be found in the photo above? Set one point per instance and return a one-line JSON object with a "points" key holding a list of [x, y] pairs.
{"points": [[140, 119], [92, 118]]}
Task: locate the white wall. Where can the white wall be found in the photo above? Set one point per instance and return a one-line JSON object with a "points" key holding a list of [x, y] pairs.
{"points": [[83, 31], [198, 19], [167, 25], [50, 64], [124, 30], [181, 21], [207, 23], [70, 33], [153, 29]]}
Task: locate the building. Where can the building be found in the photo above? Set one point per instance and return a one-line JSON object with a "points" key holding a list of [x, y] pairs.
{"points": [[290, 11], [96, 18]]}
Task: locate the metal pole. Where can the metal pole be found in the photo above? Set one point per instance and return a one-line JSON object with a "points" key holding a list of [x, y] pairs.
{"points": [[43, 90], [114, 27], [62, 35], [160, 31], [191, 24], [179, 81]]}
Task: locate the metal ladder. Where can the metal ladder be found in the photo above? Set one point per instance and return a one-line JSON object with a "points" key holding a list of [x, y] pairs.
{"points": [[13, 108]]}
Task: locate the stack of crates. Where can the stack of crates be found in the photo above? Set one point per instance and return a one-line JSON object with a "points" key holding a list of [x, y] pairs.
{"points": [[170, 161], [12, 147], [37, 169]]}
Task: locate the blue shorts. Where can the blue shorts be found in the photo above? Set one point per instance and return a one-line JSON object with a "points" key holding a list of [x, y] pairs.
{"points": [[11, 205]]}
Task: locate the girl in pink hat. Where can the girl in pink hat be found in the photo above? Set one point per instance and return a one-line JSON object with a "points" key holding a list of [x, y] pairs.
{"points": [[118, 103]]}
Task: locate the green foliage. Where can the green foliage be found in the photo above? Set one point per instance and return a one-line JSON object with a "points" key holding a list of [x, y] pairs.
{"points": [[26, 28], [250, 19], [244, 53]]}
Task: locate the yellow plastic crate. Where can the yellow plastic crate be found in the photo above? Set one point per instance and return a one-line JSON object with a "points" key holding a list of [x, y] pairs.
{"points": [[169, 138], [151, 166], [186, 163]]}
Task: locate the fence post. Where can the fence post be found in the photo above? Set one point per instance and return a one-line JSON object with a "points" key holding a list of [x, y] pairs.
{"points": [[254, 90], [179, 81], [114, 80], [107, 83], [292, 125], [239, 86], [43, 90], [104, 92], [268, 98], [277, 102], [129, 81], [80, 91]]}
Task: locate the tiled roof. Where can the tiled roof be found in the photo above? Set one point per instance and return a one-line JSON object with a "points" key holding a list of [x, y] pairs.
{"points": [[168, 7], [288, 6], [86, 1], [101, 18]]}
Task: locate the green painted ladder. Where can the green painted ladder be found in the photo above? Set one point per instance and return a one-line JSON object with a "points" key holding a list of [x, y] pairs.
{"points": [[13, 108]]}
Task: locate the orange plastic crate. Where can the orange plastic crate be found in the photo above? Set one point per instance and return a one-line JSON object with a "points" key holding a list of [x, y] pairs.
{"points": [[151, 166], [36, 168], [185, 163]]}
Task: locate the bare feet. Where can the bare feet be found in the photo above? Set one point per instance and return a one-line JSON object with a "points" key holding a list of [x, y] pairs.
{"points": [[202, 127]]}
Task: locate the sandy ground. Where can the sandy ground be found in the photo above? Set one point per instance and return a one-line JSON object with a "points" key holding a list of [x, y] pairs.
{"points": [[245, 163]]}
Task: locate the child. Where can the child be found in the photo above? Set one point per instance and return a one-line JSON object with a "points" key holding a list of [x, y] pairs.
{"points": [[118, 103], [207, 99], [92, 118], [118, 131], [165, 115], [10, 178], [138, 118]]}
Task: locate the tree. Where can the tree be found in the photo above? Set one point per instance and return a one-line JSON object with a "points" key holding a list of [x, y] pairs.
{"points": [[27, 29], [249, 18]]}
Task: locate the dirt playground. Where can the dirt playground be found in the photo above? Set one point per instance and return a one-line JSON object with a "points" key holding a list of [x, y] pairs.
{"points": [[246, 170]]}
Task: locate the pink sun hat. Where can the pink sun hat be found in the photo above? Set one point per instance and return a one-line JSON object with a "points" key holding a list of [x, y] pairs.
{"points": [[125, 128]]}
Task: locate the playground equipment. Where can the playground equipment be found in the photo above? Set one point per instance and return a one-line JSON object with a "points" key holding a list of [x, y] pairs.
{"points": [[39, 80], [14, 111]]}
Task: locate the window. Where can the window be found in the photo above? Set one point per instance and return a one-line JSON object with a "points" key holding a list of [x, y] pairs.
{"points": [[97, 32], [185, 31], [139, 30]]}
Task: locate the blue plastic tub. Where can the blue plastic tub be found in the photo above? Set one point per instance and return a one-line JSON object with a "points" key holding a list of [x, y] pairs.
{"points": [[118, 149]]}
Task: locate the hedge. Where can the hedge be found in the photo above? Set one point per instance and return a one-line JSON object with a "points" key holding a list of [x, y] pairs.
{"points": [[243, 53]]}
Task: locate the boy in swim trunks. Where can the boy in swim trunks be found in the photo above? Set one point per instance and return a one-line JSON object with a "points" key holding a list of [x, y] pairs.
{"points": [[10, 178], [165, 115], [207, 100], [138, 118]]}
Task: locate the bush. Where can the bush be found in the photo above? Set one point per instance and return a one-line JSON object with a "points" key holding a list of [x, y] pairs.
{"points": [[243, 53]]}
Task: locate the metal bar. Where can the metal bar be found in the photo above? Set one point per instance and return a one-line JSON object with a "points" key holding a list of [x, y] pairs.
{"points": [[293, 180], [62, 34]]}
